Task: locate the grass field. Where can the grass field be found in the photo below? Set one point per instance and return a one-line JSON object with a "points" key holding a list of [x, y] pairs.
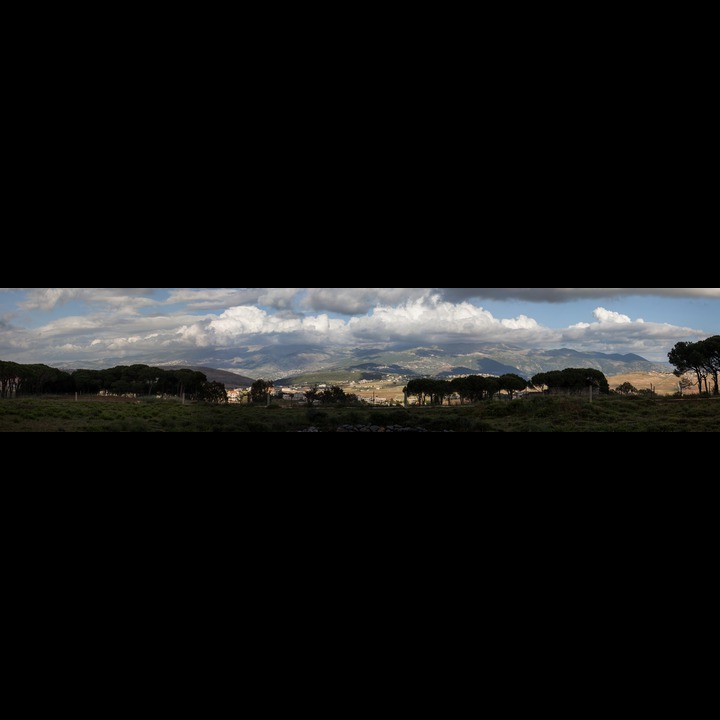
{"points": [[535, 415], [661, 383]]}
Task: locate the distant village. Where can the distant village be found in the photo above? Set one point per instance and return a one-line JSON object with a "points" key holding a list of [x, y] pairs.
{"points": [[383, 393], [387, 391]]}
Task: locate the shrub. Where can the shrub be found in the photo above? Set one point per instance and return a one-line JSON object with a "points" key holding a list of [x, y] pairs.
{"points": [[317, 417], [389, 417]]}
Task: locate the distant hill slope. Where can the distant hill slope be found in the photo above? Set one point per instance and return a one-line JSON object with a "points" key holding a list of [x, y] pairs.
{"points": [[332, 363], [229, 379], [336, 364], [482, 367], [661, 383], [536, 361]]}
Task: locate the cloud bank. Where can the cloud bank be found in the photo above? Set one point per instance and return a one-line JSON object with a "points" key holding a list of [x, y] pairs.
{"points": [[92, 324]]}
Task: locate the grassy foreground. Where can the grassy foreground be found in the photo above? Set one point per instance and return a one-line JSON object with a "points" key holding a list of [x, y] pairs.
{"points": [[49, 414]]}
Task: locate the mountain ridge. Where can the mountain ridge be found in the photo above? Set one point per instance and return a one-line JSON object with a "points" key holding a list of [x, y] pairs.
{"points": [[231, 380], [275, 362], [440, 361]]}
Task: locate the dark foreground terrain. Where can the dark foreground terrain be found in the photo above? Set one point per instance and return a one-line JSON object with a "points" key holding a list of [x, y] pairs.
{"points": [[48, 414]]}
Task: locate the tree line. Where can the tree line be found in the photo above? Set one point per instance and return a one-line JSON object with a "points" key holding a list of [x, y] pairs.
{"points": [[701, 359], [16, 379], [572, 380], [473, 388], [137, 380], [477, 388]]}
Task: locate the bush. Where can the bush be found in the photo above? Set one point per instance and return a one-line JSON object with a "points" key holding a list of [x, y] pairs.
{"points": [[317, 417], [498, 409], [383, 418], [354, 418]]}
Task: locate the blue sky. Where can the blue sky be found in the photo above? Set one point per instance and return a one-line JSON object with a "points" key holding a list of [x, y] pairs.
{"points": [[106, 325], [703, 314]]}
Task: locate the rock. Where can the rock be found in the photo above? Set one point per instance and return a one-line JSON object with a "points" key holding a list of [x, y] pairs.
{"points": [[373, 429]]}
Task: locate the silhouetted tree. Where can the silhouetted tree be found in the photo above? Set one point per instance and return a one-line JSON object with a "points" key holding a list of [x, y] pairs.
{"points": [[17, 379], [475, 388], [213, 392], [336, 396], [441, 390], [627, 389], [260, 390], [573, 380], [312, 396], [689, 357], [711, 351], [512, 384], [420, 388]]}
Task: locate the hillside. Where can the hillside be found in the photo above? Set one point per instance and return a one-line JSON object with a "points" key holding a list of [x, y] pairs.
{"points": [[661, 383], [231, 380], [444, 361], [332, 363]]}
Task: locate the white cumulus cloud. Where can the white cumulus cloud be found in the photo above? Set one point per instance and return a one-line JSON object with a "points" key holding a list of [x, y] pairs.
{"points": [[68, 324]]}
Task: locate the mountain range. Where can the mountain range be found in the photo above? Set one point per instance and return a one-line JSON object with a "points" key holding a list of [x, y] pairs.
{"points": [[443, 361], [237, 366]]}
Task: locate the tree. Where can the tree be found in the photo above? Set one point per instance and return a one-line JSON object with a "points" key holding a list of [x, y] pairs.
{"points": [[512, 383], [573, 380], [710, 349], [87, 381], [260, 390], [16, 379], [492, 387], [336, 396], [627, 389], [422, 389], [685, 384], [9, 379], [429, 390], [184, 382], [475, 388], [441, 390], [690, 357], [213, 392], [463, 388]]}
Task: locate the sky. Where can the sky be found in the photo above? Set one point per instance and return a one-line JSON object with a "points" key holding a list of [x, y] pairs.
{"points": [[97, 326]]}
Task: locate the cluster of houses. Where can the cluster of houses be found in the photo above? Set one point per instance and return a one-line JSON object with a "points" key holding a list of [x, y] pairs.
{"points": [[293, 395], [296, 395], [238, 395]]}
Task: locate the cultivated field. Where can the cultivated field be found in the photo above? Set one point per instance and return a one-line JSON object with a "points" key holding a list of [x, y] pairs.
{"points": [[662, 383], [534, 415]]}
